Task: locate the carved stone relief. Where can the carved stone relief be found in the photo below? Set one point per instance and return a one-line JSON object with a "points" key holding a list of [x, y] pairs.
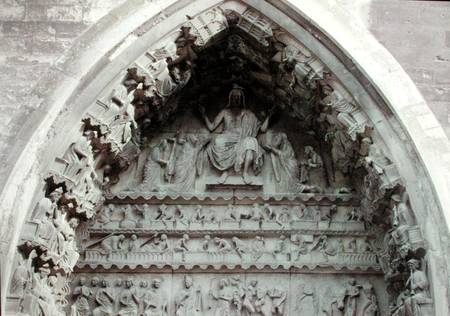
{"points": [[227, 172]]}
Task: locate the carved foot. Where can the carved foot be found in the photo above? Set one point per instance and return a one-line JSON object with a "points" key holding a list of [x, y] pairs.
{"points": [[247, 178], [223, 178]]}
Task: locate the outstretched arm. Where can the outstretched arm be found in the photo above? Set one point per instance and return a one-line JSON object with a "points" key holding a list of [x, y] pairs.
{"points": [[265, 125]]}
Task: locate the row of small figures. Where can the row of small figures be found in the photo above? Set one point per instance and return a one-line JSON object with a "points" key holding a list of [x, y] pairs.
{"points": [[199, 214], [295, 243], [227, 295]]}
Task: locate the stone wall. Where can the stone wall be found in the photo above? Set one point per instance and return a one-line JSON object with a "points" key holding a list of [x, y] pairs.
{"points": [[417, 34]]}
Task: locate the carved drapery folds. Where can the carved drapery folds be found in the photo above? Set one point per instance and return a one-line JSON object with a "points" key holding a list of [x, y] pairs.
{"points": [[229, 148]]}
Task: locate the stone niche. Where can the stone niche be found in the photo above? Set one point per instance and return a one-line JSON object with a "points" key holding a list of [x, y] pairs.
{"points": [[227, 172]]}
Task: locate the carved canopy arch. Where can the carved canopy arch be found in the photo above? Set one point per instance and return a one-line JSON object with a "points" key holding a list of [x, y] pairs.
{"points": [[354, 216]]}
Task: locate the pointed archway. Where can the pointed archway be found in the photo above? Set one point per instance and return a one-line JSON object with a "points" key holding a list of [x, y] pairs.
{"points": [[377, 107]]}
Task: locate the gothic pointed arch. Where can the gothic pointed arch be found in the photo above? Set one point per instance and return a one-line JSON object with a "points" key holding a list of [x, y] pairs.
{"points": [[238, 163]]}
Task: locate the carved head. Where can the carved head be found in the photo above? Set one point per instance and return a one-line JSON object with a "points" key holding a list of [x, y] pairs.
{"points": [[95, 281], [236, 97], [188, 282], [157, 283], [255, 204], [352, 281], [82, 281], [133, 237], [119, 282], [207, 237], [186, 237], [105, 283], [223, 283], [143, 284], [308, 150], [163, 237], [129, 283], [413, 264]]}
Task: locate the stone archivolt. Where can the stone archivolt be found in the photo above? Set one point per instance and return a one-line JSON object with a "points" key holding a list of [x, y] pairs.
{"points": [[230, 149]]}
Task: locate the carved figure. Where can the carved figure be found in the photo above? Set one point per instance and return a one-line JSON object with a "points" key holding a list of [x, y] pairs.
{"points": [[324, 246], [112, 243], [281, 247], [311, 160], [157, 243], [352, 293], [104, 216], [105, 301], [206, 243], [42, 298], [22, 277], [182, 215], [181, 246], [154, 301], [189, 301], [301, 247], [258, 247], [156, 171], [164, 214], [223, 296], [369, 306], [236, 147], [128, 220], [418, 285], [240, 246], [223, 246], [231, 213], [283, 217], [129, 300], [48, 205], [257, 213], [189, 162], [306, 302], [284, 164], [278, 301], [81, 305]]}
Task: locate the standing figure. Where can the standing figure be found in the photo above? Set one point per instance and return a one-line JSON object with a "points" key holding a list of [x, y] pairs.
{"points": [[236, 146], [284, 164], [418, 286], [129, 300], [22, 276], [81, 305], [223, 297], [154, 301], [188, 163], [312, 160], [156, 172], [189, 301], [105, 301], [305, 303], [128, 220], [352, 293], [370, 305]]}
